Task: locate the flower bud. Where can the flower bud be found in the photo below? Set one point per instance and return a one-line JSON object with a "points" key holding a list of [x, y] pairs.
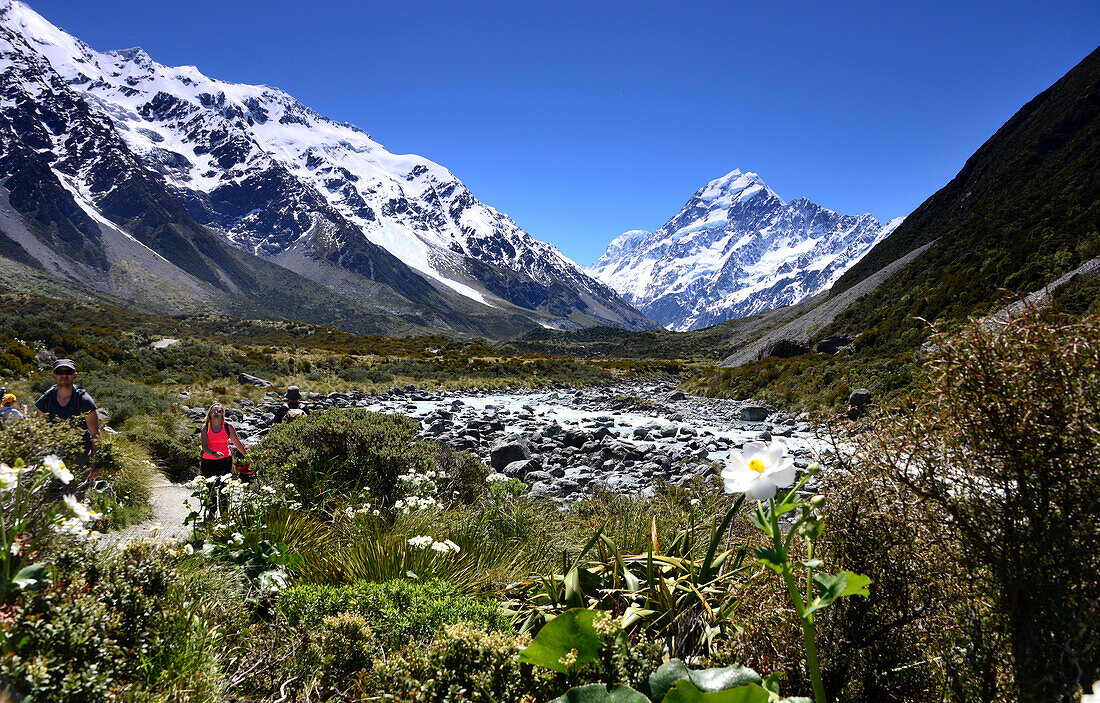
{"points": [[813, 469], [817, 501]]}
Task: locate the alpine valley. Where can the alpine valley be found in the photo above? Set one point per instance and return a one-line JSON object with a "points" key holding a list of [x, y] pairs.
{"points": [[166, 190], [735, 249]]}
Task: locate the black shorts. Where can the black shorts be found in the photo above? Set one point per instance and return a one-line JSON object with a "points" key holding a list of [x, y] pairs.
{"points": [[217, 467]]}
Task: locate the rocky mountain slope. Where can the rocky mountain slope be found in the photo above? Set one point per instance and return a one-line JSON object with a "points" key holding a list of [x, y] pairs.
{"points": [[396, 234], [735, 249]]}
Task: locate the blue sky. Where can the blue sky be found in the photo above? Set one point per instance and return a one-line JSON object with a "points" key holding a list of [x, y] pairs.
{"points": [[582, 120]]}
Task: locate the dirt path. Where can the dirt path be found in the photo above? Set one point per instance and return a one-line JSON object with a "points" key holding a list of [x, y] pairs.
{"points": [[169, 511]]}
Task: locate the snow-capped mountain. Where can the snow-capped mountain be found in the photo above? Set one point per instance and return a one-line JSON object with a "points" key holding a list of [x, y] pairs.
{"points": [[274, 178], [735, 249]]}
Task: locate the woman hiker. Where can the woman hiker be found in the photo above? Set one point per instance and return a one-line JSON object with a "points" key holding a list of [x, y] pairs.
{"points": [[217, 461]]}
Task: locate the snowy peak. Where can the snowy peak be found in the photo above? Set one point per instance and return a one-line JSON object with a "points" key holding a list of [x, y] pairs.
{"points": [[735, 249], [275, 178], [733, 187]]}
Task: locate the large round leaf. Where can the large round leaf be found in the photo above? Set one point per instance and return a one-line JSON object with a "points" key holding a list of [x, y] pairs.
{"points": [[572, 630], [598, 693], [664, 678], [685, 692]]}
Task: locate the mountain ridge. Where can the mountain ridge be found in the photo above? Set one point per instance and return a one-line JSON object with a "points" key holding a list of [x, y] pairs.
{"points": [[275, 178]]}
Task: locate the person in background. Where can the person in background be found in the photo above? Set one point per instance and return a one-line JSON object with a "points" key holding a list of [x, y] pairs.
{"points": [[215, 436], [66, 401], [292, 408], [8, 411]]}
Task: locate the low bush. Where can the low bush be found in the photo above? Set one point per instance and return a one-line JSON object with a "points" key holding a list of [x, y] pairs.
{"points": [[398, 611], [332, 452], [171, 443], [121, 398], [343, 645], [471, 664], [106, 629], [124, 484], [32, 439]]}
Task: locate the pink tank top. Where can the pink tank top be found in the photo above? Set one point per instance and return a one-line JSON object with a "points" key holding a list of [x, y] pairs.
{"points": [[217, 442]]}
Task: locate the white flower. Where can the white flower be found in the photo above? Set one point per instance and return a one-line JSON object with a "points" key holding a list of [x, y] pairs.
{"points": [[79, 509], [759, 470], [188, 549], [445, 547], [9, 477], [238, 538], [421, 541], [349, 511], [57, 467], [496, 478]]}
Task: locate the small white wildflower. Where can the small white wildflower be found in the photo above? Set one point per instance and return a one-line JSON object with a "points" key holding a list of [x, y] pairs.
{"points": [[81, 512], [57, 467], [9, 477], [349, 512], [188, 549], [238, 538], [421, 541]]}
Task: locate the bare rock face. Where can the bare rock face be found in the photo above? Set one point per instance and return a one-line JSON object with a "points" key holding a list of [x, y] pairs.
{"points": [[249, 380], [859, 397], [509, 451], [783, 349]]}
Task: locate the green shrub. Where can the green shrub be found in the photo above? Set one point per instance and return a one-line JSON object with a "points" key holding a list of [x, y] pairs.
{"points": [[121, 398], [1004, 450], [397, 611], [344, 645], [33, 439], [324, 454], [170, 442], [470, 664], [465, 473], [101, 632]]}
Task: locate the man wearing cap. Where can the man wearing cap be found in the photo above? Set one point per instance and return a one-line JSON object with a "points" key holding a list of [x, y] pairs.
{"points": [[65, 401], [292, 408]]}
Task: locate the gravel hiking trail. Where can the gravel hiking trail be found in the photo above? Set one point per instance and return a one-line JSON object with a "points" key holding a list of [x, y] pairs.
{"points": [[169, 511]]}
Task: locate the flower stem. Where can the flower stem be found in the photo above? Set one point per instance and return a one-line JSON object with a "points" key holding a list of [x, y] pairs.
{"points": [[809, 632]]}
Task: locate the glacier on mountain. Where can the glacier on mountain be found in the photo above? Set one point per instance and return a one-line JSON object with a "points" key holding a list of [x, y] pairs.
{"points": [[735, 249], [277, 179]]}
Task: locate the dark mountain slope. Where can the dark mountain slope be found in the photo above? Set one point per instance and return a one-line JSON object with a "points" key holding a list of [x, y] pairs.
{"points": [[1024, 210]]}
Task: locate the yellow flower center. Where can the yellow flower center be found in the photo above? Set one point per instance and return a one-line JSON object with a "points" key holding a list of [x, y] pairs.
{"points": [[757, 466]]}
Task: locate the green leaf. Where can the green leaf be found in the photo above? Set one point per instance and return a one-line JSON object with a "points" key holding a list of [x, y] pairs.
{"points": [[598, 693], [686, 692], [710, 567], [29, 576], [572, 630], [758, 518], [770, 558], [665, 677], [833, 586]]}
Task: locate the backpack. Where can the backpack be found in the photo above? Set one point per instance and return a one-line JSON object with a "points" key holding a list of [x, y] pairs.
{"points": [[293, 414]]}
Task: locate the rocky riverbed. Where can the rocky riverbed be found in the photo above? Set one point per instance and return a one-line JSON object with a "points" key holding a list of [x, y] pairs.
{"points": [[567, 443]]}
